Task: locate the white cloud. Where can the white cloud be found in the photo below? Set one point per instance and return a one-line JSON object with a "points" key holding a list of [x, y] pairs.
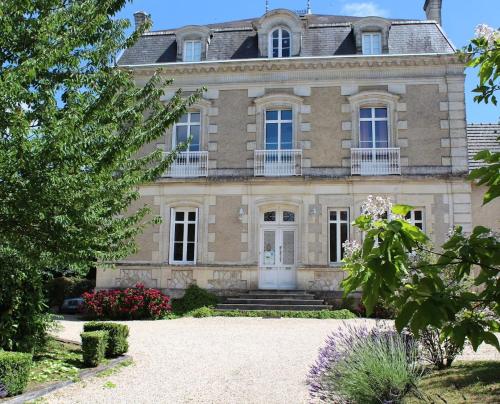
{"points": [[364, 9]]}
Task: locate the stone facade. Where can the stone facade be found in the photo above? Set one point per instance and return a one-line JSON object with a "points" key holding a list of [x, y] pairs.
{"points": [[424, 97]]}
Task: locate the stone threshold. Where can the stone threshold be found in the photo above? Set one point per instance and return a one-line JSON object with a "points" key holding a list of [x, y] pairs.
{"points": [[84, 374]]}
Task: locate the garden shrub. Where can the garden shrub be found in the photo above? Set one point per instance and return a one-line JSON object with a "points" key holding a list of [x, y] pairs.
{"points": [[63, 287], [94, 344], [323, 314], [365, 366], [117, 336], [194, 298], [14, 372], [129, 304], [438, 351]]}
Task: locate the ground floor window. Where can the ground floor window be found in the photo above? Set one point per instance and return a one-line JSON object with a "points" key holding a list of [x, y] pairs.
{"points": [[338, 233], [416, 218], [183, 235]]}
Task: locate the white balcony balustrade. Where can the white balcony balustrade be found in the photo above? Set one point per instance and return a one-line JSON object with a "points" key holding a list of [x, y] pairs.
{"points": [[383, 161], [189, 165], [278, 163]]}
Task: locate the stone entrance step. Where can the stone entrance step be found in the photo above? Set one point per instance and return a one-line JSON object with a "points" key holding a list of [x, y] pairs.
{"points": [[283, 300], [274, 301], [280, 307]]}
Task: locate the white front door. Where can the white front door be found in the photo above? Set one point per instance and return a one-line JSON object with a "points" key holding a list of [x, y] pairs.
{"points": [[278, 258]]}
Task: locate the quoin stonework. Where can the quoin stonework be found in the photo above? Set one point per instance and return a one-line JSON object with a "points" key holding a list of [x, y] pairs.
{"points": [[304, 117]]}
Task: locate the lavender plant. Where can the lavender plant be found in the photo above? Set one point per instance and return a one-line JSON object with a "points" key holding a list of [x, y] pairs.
{"points": [[358, 365], [3, 391]]}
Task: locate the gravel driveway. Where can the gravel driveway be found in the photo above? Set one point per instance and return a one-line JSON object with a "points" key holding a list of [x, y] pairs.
{"points": [[210, 360]]}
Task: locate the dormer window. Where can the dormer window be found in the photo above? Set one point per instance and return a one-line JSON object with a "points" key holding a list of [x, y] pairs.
{"points": [[192, 43], [372, 43], [192, 51], [280, 43], [372, 35]]}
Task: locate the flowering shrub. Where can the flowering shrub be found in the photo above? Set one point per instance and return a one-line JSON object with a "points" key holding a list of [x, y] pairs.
{"points": [[359, 365], [129, 304]]}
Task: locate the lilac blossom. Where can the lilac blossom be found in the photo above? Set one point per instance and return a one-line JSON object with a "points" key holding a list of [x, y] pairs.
{"points": [[490, 34]]}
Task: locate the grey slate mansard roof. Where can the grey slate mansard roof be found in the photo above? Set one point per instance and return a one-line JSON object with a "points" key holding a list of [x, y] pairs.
{"points": [[482, 137], [326, 35]]}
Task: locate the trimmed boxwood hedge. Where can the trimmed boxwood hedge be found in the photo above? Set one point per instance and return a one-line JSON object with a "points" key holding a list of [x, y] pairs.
{"points": [[14, 371], [117, 340], [94, 345]]}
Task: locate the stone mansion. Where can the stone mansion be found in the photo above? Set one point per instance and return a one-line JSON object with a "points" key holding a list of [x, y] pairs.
{"points": [[304, 116]]}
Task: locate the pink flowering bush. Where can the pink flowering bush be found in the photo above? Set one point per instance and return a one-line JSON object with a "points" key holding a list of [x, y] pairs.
{"points": [[129, 304]]}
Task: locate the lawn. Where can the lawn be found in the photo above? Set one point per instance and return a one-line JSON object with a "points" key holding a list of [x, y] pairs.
{"points": [[464, 382], [59, 361]]}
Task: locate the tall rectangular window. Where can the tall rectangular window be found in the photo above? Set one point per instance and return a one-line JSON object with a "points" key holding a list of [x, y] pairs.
{"points": [[192, 51], [183, 236], [338, 221], [279, 129], [372, 43], [188, 127], [373, 128], [416, 218]]}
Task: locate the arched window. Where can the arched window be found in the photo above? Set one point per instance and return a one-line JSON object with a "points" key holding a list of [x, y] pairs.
{"points": [[280, 43]]}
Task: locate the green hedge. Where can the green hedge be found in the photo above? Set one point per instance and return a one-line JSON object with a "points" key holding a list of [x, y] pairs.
{"points": [[322, 314], [14, 371], [118, 334], [194, 298], [94, 345]]}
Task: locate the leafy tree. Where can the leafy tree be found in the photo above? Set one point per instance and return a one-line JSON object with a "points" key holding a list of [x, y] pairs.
{"points": [[484, 53], [388, 266], [72, 128], [427, 291]]}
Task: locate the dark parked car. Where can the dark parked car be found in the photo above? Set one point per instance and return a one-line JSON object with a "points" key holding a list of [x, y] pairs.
{"points": [[72, 305]]}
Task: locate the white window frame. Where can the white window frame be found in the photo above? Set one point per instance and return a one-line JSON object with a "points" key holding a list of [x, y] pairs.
{"points": [[185, 223], [280, 42], [189, 124], [416, 222], [278, 121], [373, 119], [339, 223], [375, 39], [189, 50]]}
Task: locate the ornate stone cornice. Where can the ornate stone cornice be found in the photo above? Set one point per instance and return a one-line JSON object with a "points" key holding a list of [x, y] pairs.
{"points": [[276, 65]]}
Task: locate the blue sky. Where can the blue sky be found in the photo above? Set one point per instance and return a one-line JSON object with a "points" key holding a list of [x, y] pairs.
{"points": [[459, 20]]}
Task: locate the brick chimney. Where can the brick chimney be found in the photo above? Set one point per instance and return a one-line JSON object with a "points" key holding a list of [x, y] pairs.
{"points": [[140, 17], [432, 9]]}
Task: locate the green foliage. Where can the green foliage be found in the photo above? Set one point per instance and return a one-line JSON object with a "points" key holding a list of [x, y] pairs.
{"points": [[489, 174], [72, 131], [428, 292], [23, 319], [62, 288], [117, 336], [322, 314], [194, 298], [483, 53], [94, 344], [14, 371]]}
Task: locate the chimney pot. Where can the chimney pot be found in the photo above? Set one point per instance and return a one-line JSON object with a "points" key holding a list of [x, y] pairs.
{"points": [[433, 9], [140, 18]]}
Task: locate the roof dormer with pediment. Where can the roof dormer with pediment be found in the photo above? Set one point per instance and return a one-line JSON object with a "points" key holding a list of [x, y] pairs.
{"points": [[279, 19]]}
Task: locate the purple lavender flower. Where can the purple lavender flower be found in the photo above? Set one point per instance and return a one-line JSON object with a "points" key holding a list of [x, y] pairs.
{"points": [[3, 390], [346, 350]]}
